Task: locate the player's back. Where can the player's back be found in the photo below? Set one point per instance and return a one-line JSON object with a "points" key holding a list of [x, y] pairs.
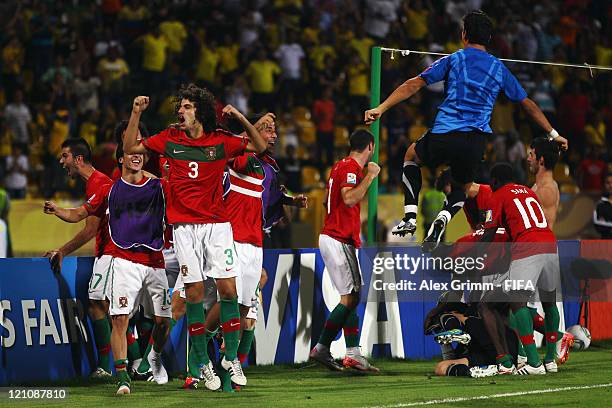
{"points": [[520, 213], [341, 221], [473, 79]]}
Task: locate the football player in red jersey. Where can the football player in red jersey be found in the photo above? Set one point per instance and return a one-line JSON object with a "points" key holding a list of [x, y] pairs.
{"points": [[338, 241], [76, 159], [542, 157], [198, 153], [535, 263]]}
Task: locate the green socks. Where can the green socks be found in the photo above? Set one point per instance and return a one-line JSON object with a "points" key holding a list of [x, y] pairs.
{"points": [[551, 324], [333, 324], [230, 322], [133, 351], [245, 345], [351, 330], [524, 322], [102, 335], [197, 331]]}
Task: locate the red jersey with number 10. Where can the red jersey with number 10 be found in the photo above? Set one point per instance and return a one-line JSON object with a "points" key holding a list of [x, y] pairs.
{"points": [[196, 173], [342, 222], [517, 210]]}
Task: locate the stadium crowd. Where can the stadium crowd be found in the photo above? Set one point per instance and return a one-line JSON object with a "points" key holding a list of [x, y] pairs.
{"points": [[70, 67]]}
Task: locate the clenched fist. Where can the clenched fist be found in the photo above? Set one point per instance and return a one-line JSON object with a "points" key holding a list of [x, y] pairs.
{"points": [[373, 169], [140, 104], [372, 115], [232, 112], [50, 207]]}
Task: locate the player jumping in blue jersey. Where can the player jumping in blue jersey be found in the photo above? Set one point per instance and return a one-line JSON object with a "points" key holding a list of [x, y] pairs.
{"points": [[473, 79]]}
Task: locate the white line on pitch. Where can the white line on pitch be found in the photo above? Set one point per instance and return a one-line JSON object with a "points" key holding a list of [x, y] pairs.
{"points": [[485, 397]]}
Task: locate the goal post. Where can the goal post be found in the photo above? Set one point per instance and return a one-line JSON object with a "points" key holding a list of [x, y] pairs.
{"points": [[375, 129]]}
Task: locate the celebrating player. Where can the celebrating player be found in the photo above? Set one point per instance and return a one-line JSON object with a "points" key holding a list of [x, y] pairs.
{"points": [[473, 79], [253, 185], [76, 159], [535, 263], [198, 153], [338, 241], [541, 159]]}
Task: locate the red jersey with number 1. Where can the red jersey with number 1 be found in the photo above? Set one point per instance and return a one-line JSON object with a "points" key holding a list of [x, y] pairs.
{"points": [[196, 173], [518, 210], [342, 222], [96, 189]]}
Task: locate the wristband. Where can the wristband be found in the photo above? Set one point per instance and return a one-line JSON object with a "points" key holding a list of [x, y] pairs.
{"points": [[553, 134]]}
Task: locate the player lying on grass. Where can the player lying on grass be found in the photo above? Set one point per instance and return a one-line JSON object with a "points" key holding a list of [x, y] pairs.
{"points": [[136, 209], [473, 79], [338, 243], [475, 355]]}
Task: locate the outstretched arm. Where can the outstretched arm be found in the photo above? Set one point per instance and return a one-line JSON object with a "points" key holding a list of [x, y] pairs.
{"points": [[130, 139], [536, 114], [401, 93], [71, 215]]}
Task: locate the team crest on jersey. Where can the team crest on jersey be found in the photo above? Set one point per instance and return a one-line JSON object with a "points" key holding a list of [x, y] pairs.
{"points": [[123, 301], [210, 153], [184, 270], [351, 178]]}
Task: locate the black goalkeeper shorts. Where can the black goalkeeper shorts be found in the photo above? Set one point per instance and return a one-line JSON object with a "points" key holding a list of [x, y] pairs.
{"points": [[463, 151]]}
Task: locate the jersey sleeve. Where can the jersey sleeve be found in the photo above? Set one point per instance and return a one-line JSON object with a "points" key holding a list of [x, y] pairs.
{"points": [[95, 204], [239, 163], [234, 145], [512, 88], [348, 177], [437, 71], [157, 143]]}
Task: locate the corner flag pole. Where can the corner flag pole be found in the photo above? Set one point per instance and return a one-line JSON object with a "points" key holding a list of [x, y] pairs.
{"points": [[375, 129]]}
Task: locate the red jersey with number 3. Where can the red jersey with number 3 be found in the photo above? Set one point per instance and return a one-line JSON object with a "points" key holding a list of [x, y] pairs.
{"points": [[342, 222], [96, 189], [196, 173], [518, 210]]}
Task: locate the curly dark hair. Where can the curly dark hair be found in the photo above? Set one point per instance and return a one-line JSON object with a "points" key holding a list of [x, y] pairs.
{"points": [[478, 27], [548, 149], [204, 103]]}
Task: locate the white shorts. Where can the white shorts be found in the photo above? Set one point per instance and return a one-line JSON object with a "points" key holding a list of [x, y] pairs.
{"points": [[341, 263], [210, 291], [250, 261], [127, 281], [205, 250], [541, 271], [172, 265], [99, 281]]}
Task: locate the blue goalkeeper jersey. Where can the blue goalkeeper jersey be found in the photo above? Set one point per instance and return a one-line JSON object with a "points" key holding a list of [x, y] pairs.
{"points": [[473, 79]]}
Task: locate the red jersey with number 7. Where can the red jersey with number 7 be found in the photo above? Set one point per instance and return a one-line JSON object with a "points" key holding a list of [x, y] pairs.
{"points": [[342, 222], [196, 173], [519, 212], [96, 188]]}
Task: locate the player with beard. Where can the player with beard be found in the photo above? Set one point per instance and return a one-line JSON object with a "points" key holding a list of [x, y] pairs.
{"points": [[76, 159]]}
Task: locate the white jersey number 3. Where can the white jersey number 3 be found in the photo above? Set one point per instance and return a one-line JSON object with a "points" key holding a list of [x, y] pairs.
{"points": [[193, 173], [532, 206]]}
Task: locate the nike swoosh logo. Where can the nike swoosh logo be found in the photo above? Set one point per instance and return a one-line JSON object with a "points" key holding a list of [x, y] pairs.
{"points": [[178, 151], [165, 308], [227, 270], [234, 324], [198, 329]]}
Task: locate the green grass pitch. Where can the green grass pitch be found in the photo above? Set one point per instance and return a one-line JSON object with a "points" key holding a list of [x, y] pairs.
{"points": [[400, 383]]}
